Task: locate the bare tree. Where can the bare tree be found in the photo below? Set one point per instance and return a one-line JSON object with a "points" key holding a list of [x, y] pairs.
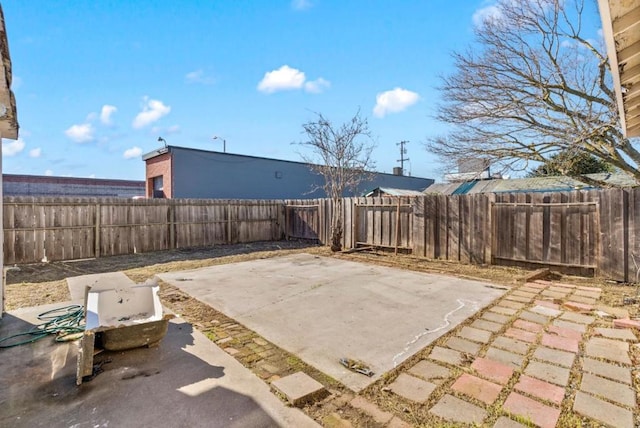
{"points": [[533, 86], [342, 155]]}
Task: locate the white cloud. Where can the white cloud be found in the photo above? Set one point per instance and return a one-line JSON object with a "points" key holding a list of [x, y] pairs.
{"points": [[133, 152], [152, 110], [199, 76], [283, 79], [106, 112], [487, 13], [82, 133], [48, 173], [317, 86], [12, 147], [394, 101], [301, 4], [35, 153]]}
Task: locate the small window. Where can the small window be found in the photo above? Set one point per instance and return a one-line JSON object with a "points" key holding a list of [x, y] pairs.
{"points": [[158, 188]]}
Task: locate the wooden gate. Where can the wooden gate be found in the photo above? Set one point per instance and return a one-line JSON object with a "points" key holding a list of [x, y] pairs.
{"points": [[385, 223], [559, 234], [302, 221]]}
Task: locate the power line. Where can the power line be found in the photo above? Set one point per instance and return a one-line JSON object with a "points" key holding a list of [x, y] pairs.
{"points": [[403, 151]]}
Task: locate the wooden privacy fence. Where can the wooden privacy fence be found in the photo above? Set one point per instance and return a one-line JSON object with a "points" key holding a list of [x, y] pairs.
{"points": [[37, 229], [596, 231]]}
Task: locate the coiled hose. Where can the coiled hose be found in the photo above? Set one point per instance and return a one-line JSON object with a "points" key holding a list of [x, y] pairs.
{"points": [[65, 322]]}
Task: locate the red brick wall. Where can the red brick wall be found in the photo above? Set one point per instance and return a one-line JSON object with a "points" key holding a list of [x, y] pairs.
{"points": [[159, 165]]}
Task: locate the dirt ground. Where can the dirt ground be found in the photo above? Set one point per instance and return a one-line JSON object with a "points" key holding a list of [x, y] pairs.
{"points": [[37, 284]]}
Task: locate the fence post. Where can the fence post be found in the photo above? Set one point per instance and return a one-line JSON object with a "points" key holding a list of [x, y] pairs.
{"points": [[96, 239], [228, 223], [172, 225]]}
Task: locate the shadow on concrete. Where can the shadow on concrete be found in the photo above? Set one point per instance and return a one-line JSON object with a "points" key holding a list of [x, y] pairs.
{"points": [[175, 384], [55, 271]]}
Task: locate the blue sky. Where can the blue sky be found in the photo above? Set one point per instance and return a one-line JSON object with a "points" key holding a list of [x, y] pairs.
{"points": [[97, 82]]}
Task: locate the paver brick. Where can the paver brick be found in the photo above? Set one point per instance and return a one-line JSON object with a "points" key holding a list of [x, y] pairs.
{"points": [[495, 317], [299, 389], [371, 409], [503, 310], [505, 357], [412, 388], [334, 420], [540, 414], [547, 303], [626, 323], [584, 300], [555, 356], [463, 345], [493, 370], [519, 299], [616, 333], [611, 371], [564, 332], [487, 325], [527, 289], [563, 288], [527, 325], [543, 310], [511, 304], [588, 293], [559, 342], [475, 334], [539, 388], [430, 371], [548, 372], [578, 307], [603, 412], [577, 318], [480, 389], [525, 336], [614, 312], [530, 316], [505, 422], [511, 344], [539, 284], [554, 294], [454, 409], [614, 350], [613, 391], [586, 288], [446, 355], [522, 293], [581, 328]]}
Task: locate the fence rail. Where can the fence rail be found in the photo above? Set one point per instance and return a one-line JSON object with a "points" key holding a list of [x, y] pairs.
{"points": [[595, 231]]}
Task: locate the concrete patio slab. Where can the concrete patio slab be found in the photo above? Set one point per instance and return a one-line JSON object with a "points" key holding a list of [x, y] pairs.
{"points": [[185, 381], [323, 309]]}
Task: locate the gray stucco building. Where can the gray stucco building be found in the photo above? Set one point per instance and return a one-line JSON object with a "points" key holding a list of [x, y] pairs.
{"points": [[179, 172]]}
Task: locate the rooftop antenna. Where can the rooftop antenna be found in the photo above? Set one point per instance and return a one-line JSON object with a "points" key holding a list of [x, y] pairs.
{"points": [[164, 141], [403, 151]]}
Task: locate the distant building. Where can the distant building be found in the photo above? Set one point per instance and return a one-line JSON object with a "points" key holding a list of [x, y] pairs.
{"points": [[178, 172], [388, 191], [40, 185]]}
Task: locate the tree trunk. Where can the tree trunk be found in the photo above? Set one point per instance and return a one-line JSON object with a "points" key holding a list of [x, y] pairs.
{"points": [[336, 226]]}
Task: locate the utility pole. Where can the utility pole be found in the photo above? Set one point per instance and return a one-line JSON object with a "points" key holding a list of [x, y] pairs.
{"points": [[403, 151]]}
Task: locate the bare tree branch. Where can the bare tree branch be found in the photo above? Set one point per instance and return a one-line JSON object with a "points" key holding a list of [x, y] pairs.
{"points": [[342, 155], [532, 87]]}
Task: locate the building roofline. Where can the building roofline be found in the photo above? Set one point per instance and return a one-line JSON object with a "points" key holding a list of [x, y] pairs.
{"points": [[12, 178], [169, 149]]}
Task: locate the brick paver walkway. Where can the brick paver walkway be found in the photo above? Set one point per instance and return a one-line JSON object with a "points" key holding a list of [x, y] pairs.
{"points": [[537, 351]]}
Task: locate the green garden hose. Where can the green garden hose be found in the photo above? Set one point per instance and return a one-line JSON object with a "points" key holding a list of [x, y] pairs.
{"points": [[64, 322]]}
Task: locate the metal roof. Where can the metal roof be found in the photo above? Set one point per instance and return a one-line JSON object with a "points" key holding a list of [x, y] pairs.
{"points": [[534, 184], [621, 31]]}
